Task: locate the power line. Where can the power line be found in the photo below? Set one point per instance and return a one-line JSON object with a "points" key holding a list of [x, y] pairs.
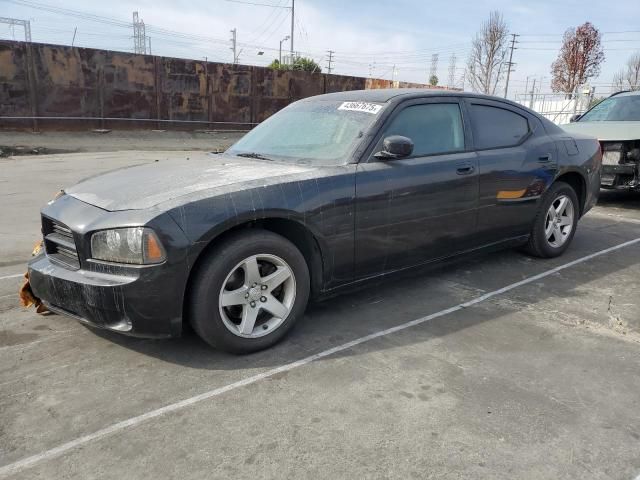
{"points": [[255, 4]]}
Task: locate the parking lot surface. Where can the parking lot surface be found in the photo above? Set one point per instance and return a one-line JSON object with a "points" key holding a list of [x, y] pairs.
{"points": [[501, 366]]}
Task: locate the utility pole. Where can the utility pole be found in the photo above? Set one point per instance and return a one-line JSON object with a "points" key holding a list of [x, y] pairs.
{"points": [[26, 24], [293, 16], [330, 52], [510, 63], [150, 46], [75, 30], [234, 45], [280, 53], [139, 35], [393, 73]]}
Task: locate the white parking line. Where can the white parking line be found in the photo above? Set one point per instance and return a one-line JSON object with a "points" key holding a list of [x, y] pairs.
{"points": [[6, 277], [613, 216], [28, 462]]}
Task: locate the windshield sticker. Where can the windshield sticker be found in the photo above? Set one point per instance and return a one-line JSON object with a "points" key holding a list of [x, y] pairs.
{"points": [[361, 107]]}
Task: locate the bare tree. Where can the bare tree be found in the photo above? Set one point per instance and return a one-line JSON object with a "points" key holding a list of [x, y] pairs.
{"points": [[629, 77], [488, 50], [579, 59]]}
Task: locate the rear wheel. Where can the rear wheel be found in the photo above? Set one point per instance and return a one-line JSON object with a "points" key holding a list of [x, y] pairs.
{"points": [[249, 292], [555, 223]]}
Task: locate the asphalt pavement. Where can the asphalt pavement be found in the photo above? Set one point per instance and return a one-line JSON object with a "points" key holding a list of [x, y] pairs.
{"points": [[500, 366]]}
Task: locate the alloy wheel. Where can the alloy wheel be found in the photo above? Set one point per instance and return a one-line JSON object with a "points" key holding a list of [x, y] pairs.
{"points": [[257, 296], [559, 221]]}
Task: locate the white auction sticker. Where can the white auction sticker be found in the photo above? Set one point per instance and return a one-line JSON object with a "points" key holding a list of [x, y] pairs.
{"points": [[361, 107]]}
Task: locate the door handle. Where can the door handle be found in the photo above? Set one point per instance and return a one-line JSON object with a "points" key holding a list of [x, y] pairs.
{"points": [[465, 169], [545, 158]]}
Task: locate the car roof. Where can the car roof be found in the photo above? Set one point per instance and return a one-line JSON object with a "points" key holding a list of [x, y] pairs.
{"points": [[385, 95], [389, 95], [626, 94]]}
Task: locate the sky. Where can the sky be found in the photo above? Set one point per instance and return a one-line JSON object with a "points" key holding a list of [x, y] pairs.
{"points": [[368, 37]]}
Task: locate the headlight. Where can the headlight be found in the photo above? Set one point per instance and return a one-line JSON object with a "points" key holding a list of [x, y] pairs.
{"points": [[137, 245]]}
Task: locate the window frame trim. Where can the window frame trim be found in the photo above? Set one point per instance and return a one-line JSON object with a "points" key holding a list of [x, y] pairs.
{"points": [[401, 106], [469, 102]]}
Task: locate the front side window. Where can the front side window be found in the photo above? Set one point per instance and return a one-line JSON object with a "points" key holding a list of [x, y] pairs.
{"points": [[495, 127], [625, 108], [434, 128]]}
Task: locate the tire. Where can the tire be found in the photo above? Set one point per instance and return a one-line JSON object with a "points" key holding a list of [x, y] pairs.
{"points": [[224, 301], [540, 244]]}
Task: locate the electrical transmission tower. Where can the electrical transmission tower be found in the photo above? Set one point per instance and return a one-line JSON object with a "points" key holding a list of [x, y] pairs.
{"points": [[26, 24], [452, 71], [234, 46], [510, 63], [434, 66], [330, 52], [139, 35]]}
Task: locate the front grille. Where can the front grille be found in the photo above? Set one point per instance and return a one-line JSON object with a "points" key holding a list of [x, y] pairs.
{"points": [[59, 243]]}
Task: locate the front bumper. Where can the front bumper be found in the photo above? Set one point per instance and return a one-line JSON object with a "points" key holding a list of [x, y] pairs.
{"points": [[138, 305], [625, 176], [144, 301]]}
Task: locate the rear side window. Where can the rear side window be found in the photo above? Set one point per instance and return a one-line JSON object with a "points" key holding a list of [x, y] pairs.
{"points": [[495, 127], [433, 128]]}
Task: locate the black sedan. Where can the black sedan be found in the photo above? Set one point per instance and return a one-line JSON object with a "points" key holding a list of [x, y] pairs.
{"points": [[330, 192]]}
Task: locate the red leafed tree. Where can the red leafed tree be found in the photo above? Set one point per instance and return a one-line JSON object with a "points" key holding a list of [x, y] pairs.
{"points": [[579, 59]]}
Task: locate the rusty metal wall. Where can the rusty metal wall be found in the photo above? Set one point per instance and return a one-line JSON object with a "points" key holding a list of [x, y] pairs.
{"points": [[40, 80]]}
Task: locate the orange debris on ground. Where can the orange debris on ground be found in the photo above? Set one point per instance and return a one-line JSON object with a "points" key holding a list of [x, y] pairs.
{"points": [[27, 298]]}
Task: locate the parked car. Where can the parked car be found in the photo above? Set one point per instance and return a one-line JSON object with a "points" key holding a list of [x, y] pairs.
{"points": [[330, 192], [616, 123]]}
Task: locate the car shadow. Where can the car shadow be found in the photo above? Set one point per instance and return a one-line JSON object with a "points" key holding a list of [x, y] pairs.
{"points": [[394, 301], [624, 199]]}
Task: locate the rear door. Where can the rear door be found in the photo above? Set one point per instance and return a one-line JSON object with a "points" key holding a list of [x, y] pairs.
{"points": [[422, 207], [516, 161]]}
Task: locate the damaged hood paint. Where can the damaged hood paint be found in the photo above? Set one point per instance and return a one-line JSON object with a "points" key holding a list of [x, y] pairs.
{"points": [[148, 185], [606, 131]]}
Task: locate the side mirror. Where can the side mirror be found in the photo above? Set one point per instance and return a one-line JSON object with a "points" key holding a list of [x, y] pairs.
{"points": [[574, 118], [395, 146]]}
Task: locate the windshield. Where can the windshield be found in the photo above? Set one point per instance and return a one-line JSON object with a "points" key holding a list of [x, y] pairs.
{"points": [[318, 132], [615, 109]]}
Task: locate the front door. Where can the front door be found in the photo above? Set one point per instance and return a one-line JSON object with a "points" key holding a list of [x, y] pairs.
{"points": [[419, 208]]}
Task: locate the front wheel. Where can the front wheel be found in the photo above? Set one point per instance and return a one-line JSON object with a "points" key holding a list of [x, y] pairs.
{"points": [[249, 292], [555, 223]]}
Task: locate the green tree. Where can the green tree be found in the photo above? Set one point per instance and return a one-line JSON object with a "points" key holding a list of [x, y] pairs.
{"points": [[433, 80], [306, 64], [300, 64], [276, 65]]}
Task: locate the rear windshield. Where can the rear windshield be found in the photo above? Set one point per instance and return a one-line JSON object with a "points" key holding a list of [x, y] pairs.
{"points": [[615, 109], [316, 132]]}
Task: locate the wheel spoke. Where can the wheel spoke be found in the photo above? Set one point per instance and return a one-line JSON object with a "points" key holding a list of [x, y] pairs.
{"points": [[249, 316], [251, 271], [557, 233], [561, 206], [548, 231], [275, 307], [233, 297], [276, 279]]}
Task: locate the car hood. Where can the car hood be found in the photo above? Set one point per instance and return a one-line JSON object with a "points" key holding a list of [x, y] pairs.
{"points": [[606, 131], [145, 186]]}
